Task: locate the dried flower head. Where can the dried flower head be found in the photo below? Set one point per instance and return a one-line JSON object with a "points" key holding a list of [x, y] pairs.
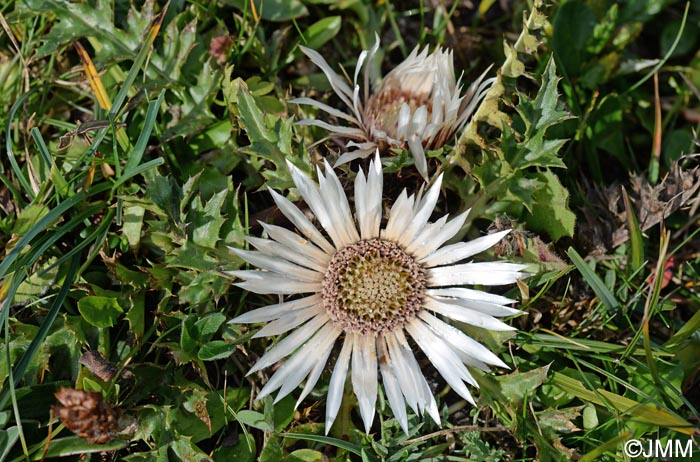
{"points": [[87, 414], [416, 106], [372, 289]]}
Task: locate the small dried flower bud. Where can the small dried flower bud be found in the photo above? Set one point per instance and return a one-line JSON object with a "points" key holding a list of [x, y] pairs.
{"points": [[417, 106], [87, 414]]}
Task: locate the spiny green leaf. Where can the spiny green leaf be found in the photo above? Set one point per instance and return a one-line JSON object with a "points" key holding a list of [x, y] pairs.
{"points": [[76, 20], [206, 221], [541, 153], [517, 385], [252, 118], [216, 349], [550, 210], [544, 111], [254, 419]]}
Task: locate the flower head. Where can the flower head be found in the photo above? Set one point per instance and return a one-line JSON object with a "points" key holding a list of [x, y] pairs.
{"points": [[372, 289], [416, 106]]}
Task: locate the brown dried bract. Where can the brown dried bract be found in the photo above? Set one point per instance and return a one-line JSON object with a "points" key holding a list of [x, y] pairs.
{"points": [[605, 218], [220, 47], [87, 414], [98, 365]]}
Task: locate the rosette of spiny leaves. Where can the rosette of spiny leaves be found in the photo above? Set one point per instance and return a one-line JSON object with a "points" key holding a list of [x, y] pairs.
{"points": [[508, 147]]}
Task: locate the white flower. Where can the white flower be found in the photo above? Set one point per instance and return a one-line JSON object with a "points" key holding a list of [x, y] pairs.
{"points": [[417, 106], [372, 289]]}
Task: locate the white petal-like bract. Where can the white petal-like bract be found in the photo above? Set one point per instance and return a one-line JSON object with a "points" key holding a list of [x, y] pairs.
{"points": [[417, 106], [375, 291]]}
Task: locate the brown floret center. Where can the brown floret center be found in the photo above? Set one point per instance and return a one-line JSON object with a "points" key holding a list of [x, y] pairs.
{"points": [[373, 286]]}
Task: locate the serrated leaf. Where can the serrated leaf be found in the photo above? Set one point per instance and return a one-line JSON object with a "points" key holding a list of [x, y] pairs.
{"points": [[550, 210], [559, 420], [524, 189], [185, 450], [203, 288], [100, 311], [251, 117], [132, 224], [217, 349], [544, 110], [209, 325], [517, 385], [194, 114], [76, 20], [196, 403], [165, 193], [489, 111], [513, 67], [189, 256], [541, 153], [255, 420], [206, 221]]}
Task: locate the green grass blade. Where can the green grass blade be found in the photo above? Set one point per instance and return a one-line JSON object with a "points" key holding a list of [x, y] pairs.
{"points": [[353, 448], [652, 303], [149, 122], [58, 180], [609, 445], [41, 247], [635, 233], [138, 170], [50, 218], [639, 412], [594, 281], [23, 181], [21, 366], [129, 81], [12, 435], [12, 188], [668, 54], [688, 329]]}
